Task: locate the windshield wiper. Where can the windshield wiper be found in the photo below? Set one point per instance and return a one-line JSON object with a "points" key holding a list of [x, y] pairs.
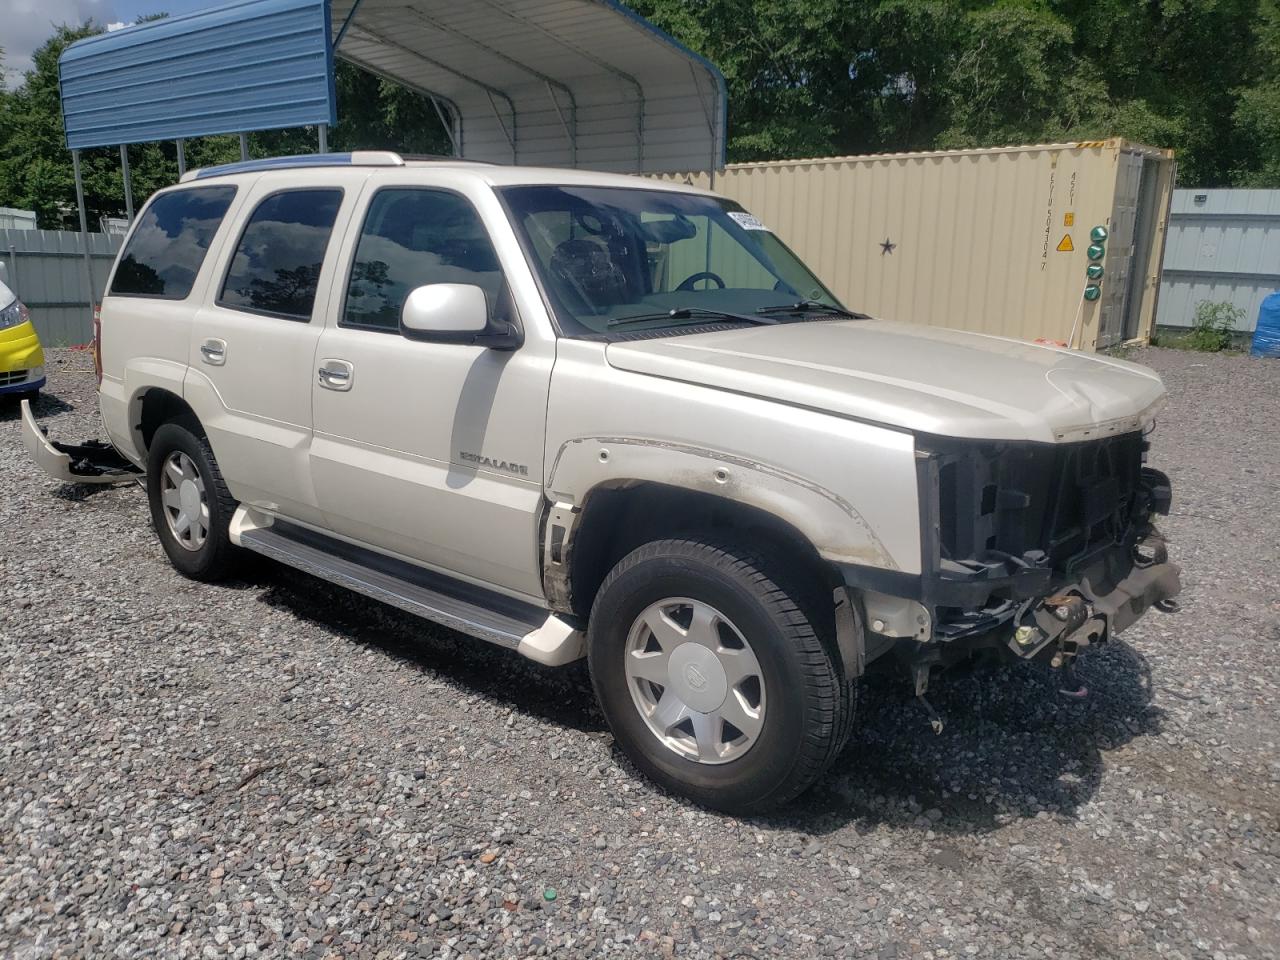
{"points": [[812, 306], [688, 315]]}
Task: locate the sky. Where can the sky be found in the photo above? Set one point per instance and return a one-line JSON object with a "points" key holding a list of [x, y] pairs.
{"points": [[26, 24]]}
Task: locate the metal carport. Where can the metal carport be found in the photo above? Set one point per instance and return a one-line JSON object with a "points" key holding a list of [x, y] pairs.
{"points": [[577, 83], [580, 83]]}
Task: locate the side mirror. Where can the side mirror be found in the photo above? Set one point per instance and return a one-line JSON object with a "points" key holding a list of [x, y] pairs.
{"points": [[454, 313]]}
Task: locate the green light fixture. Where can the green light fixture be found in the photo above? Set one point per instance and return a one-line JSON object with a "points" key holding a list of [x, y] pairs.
{"points": [[1097, 250]]}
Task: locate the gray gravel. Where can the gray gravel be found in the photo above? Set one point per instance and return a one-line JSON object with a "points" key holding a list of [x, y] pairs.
{"points": [[270, 767]]}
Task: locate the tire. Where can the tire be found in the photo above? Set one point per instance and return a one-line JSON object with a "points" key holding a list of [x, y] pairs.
{"points": [[801, 701], [207, 558]]}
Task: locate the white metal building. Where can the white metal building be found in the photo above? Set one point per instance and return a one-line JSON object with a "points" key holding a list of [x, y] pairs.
{"points": [[1223, 247]]}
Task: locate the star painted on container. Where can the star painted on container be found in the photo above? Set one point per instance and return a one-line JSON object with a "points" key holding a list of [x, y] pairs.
{"points": [[887, 247]]}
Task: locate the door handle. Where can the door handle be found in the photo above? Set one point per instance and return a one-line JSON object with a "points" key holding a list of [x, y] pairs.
{"points": [[214, 351], [336, 374]]}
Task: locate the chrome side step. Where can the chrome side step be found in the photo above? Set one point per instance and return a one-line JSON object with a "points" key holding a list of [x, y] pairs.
{"points": [[511, 623]]}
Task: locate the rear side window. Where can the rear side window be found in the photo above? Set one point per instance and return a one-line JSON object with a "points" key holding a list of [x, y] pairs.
{"points": [[168, 245], [277, 262], [412, 237]]}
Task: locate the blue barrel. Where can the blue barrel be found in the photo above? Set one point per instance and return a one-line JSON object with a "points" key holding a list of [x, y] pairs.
{"points": [[1266, 339]]}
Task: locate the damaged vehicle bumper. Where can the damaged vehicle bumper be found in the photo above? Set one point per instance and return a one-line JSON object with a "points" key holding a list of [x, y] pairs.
{"points": [[89, 462], [1035, 551], [1061, 625], [1061, 622]]}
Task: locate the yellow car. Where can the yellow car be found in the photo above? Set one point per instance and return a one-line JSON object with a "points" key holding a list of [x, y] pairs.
{"points": [[21, 359]]}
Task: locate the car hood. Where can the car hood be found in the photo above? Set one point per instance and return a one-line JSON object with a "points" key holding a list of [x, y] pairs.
{"points": [[918, 378]]}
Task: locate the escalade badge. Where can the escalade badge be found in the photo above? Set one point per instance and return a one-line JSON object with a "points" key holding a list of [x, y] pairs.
{"points": [[506, 466]]}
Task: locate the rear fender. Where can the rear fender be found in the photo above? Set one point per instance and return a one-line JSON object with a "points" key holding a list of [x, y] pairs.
{"points": [[120, 400]]}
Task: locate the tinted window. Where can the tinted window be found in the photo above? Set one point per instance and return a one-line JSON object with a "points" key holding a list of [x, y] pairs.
{"points": [[413, 237], [169, 243], [277, 262]]}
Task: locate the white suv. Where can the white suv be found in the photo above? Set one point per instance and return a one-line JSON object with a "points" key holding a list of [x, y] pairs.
{"points": [[582, 414]]}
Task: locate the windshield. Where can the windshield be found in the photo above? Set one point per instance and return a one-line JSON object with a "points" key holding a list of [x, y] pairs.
{"points": [[653, 258]]}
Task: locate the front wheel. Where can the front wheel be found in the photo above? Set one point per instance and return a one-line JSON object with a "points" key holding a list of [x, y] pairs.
{"points": [[713, 676], [191, 507]]}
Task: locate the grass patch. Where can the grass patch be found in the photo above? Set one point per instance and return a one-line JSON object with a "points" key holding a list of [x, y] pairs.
{"points": [[1213, 330]]}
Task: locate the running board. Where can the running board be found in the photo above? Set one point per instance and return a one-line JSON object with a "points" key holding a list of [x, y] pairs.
{"points": [[534, 632]]}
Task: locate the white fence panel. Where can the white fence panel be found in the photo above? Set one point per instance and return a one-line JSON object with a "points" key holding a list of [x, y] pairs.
{"points": [[46, 271], [1223, 246]]}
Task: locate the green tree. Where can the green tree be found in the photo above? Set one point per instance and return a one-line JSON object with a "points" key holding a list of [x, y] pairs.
{"points": [[1014, 78], [823, 77], [1257, 111], [820, 78]]}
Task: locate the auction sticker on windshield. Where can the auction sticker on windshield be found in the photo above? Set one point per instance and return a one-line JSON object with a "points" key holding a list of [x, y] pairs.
{"points": [[746, 221]]}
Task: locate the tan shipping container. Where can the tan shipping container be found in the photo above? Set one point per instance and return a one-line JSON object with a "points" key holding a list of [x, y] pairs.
{"points": [[993, 241]]}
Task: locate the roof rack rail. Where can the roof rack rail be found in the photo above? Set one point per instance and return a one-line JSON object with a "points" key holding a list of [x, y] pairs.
{"points": [[446, 158], [357, 158]]}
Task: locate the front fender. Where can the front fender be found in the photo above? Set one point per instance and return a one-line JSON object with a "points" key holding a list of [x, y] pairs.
{"points": [[833, 525]]}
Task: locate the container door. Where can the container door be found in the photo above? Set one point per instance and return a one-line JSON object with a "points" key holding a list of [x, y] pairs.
{"points": [[1144, 229], [1119, 260]]}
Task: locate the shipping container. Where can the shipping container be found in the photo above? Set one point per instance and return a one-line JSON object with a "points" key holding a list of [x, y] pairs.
{"points": [[995, 241]]}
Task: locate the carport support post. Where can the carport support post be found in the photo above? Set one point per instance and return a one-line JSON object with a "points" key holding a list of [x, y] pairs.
{"points": [[324, 138], [182, 158], [244, 146], [84, 230], [128, 183], [448, 127]]}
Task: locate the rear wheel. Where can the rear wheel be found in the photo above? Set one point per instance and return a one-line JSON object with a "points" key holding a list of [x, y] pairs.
{"points": [[191, 507], [713, 675]]}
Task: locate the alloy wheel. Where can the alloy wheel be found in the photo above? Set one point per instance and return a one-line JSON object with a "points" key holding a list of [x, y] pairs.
{"points": [[186, 505], [695, 680]]}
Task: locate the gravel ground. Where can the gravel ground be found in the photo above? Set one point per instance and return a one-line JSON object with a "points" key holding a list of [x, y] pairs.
{"points": [[272, 767]]}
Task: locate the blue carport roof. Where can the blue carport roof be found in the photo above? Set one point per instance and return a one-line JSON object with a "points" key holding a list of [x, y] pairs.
{"points": [[563, 82], [252, 65]]}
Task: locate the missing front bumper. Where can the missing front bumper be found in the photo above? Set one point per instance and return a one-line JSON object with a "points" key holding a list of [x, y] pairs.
{"points": [[1077, 616], [1052, 624]]}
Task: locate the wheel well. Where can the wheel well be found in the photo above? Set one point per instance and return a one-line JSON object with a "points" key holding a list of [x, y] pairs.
{"points": [[158, 407], [617, 519]]}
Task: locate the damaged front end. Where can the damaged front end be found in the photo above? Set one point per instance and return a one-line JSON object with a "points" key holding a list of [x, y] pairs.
{"points": [[1033, 550]]}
